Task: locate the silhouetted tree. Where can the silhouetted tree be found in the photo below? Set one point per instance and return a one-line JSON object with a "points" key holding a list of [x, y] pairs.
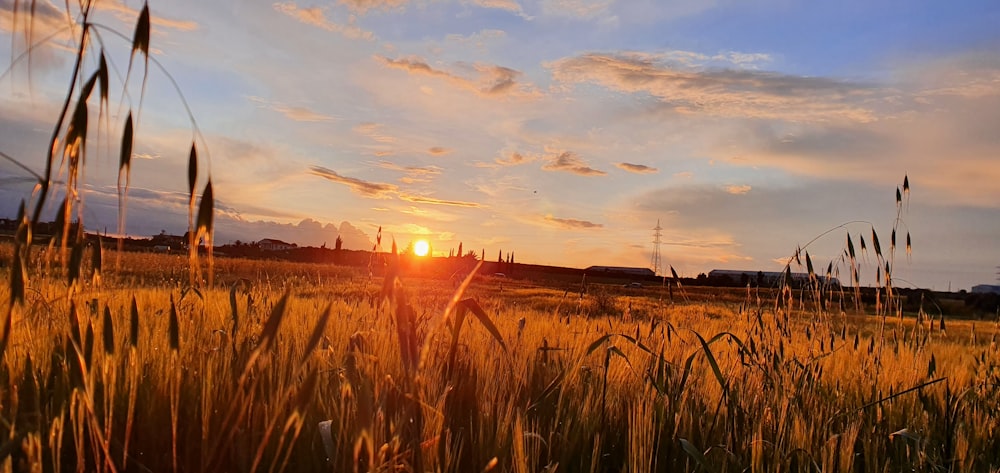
{"points": [[339, 244]]}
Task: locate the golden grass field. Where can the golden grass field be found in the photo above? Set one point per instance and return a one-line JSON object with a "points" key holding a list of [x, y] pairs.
{"points": [[140, 362], [305, 367]]}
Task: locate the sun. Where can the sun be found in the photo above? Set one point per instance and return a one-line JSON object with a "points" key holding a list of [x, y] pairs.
{"points": [[421, 248]]}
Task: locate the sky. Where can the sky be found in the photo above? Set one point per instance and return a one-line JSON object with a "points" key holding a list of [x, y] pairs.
{"points": [[563, 131]]}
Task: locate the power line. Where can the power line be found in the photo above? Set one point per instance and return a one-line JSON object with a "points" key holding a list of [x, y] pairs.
{"points": [[655, 262]]}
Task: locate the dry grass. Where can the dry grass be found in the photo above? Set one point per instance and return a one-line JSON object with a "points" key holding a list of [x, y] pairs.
{"points": [[253, 366], [781, 391]]}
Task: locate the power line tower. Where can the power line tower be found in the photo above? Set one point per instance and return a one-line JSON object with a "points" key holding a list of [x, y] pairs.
{"points": [[655, 261]]}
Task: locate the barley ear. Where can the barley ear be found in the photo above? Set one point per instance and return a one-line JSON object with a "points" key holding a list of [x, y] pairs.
{"points": [[109, 332], [140, 40], [134, 324], [175, 336]]}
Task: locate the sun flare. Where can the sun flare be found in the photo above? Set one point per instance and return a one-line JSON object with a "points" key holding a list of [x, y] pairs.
{"points": [[421, 248]]}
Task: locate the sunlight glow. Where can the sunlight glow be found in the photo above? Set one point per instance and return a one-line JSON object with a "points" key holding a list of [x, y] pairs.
{"points": [[421, 248]]}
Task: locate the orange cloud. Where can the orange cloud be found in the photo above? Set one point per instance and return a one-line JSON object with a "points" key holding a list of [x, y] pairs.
{"points": [[368, 189], [428, 200], [374, 131], [637, 168], [491, 81], [514, 159], [416, 170], [738, 190], [414, 174], [385, 191], [508, 5], [569, 161], [572, 223], [315, 16], [299, 114], [362, 6], [127, 14]]}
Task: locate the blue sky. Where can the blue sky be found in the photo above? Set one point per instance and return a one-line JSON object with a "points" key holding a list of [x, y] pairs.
{"points": [[561, 130]]}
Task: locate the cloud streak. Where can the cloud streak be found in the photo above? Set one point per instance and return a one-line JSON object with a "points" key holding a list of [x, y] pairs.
{"points": [[429, 200], [295, 113], [637, 168], [738, 189], [583, 9], [376, 190], [363, 6], [380, 190], [374, 132], [315, 16], [511, 6], [571, 223], [491, 81], [727, 93], [568, 161], [514, 159], [413, 173], [127, 14]]}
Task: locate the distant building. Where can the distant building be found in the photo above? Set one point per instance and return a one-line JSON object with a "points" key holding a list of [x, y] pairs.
{"points": [[270, 244], [986, 289], [167, 242], [767, 278], [620, 271]]}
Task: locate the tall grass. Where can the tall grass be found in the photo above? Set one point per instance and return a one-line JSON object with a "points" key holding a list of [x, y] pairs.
{"points": [[241, 377], [285, 367]]}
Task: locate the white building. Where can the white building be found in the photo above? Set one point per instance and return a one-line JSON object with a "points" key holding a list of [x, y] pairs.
{"points": [[270, 244]]}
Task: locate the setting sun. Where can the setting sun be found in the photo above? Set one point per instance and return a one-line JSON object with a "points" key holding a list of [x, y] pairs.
{"points": [[421, 248]]}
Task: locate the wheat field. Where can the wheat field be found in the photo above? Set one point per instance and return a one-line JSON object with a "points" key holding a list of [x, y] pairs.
{"points": [[117, 361], [303, 367]]}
